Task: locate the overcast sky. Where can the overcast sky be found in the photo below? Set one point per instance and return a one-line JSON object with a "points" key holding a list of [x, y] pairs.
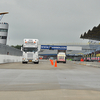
{"points": [[50, 21]]}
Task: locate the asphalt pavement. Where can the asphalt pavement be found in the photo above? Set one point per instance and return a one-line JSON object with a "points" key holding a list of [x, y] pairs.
{"points": [[43, 81]]}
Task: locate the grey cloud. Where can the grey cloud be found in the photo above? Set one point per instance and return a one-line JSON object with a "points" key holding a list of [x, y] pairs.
{"points": [[49, 20]]}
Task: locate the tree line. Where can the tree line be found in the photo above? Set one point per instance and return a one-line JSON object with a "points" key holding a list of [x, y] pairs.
{"points": [[17, 46]]}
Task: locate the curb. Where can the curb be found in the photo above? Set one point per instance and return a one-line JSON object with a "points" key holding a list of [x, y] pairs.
{"points": [[89, 65]]}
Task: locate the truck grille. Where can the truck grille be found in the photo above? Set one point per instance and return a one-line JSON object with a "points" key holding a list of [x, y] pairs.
{"points": [[61, 58], [29, 55]]}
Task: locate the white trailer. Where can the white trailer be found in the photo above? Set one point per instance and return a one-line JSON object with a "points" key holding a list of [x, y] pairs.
{"points": [[30, 51], [61, 56]]}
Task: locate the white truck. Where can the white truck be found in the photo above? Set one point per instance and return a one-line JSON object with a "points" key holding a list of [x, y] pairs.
{"points": [[30, 51], [61, 56]]}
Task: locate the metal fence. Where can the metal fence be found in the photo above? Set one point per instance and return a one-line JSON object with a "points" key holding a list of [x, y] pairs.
{"points": [[7, 50]]}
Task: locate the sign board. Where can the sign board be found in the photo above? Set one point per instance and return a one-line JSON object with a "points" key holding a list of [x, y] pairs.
{"points": [[57, 47], [53, 47]]}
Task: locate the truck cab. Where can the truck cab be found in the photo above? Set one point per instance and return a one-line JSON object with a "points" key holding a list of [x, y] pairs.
{"points": [[30, 51]]}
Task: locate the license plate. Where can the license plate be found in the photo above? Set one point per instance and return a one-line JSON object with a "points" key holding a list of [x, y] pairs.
{"points": [[30, 60]]}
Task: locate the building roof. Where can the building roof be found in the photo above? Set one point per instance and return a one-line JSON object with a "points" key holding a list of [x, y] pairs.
{"points": [[4, 13], [93, 34]]}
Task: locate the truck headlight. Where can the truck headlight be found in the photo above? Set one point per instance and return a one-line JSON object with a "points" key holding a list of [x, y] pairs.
{"points": [[36, 58], [23, 58]]}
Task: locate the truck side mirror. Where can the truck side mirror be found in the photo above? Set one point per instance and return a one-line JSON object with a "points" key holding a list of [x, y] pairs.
{"points": [[39, 46]]}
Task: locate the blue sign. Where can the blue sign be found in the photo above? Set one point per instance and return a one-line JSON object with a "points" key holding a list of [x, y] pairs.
{"points": [[53, 47]]}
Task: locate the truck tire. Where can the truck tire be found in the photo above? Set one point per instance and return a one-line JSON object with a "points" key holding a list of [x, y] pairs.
{"points": [[57, 61], [36, 62], [24, 62], [64, 62]]}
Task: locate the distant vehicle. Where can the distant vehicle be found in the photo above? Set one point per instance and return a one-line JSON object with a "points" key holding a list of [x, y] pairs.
{"points": [[77, 58], [51, 58], [30, 51], [61, 56], [40, 57]]}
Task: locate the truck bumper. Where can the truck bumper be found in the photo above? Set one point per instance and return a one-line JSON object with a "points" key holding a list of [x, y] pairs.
{"points": [[61, 61], [30, 60]]}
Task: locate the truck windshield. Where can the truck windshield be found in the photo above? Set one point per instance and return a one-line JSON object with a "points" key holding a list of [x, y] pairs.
{"points": [[30, 49]]}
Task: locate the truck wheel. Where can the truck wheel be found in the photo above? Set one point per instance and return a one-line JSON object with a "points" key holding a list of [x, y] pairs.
{"points": [[36, 62], [24, 62], [64, 62], [57, 61]]}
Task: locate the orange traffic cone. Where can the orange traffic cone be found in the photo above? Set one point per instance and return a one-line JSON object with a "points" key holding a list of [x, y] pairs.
{"points": [[56, 63], [82, 60], [51, 62]]}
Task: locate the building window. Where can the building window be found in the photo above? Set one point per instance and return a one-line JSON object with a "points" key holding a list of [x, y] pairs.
{"points": [[3, 30], [3, 37]]}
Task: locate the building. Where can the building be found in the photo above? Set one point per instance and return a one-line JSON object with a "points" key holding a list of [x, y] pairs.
{"points": [[3, 30], [3, 33]]}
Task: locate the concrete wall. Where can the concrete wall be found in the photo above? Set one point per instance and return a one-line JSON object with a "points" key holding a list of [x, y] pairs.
{"points": [[9, 54], [5, 49], [9, 58]]}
